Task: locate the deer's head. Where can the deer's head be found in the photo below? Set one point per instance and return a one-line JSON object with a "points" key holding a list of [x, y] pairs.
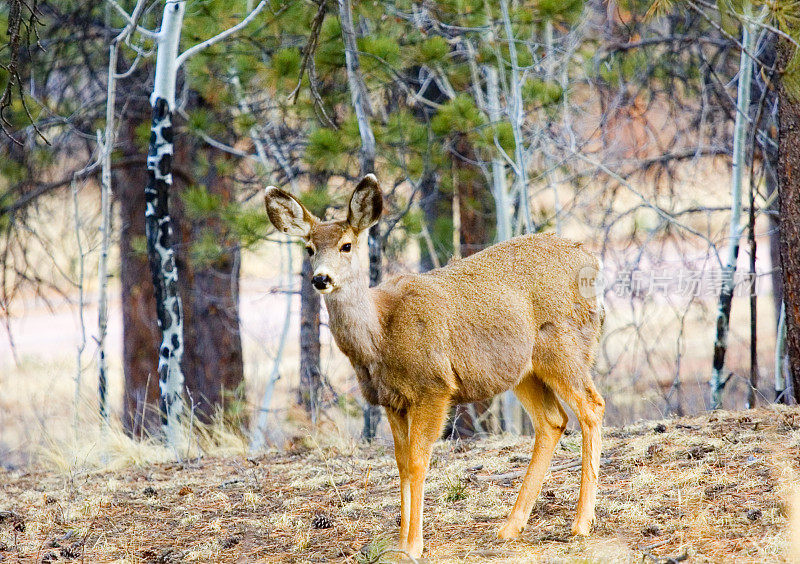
{"points": [[330, 244]]}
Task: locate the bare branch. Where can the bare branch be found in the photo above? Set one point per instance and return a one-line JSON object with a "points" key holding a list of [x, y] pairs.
{"points": [[182, 58]]}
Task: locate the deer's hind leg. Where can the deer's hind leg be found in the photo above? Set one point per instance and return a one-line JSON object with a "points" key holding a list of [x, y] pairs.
{"points": [[572, 381], [549, 421]]}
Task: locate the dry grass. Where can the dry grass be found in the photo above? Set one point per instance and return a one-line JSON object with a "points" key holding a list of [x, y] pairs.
{"points": [[711, 488]]}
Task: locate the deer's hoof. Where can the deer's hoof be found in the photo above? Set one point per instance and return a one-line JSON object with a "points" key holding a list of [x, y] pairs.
{"points": [[414, 552], [581, 529], [509, 531]]}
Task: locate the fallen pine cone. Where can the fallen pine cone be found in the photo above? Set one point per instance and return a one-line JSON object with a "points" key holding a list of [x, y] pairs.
{"points": [[321, 521]]}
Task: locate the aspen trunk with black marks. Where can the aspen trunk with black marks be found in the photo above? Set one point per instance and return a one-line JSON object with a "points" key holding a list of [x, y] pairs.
{"points": [[751, 239], [158, 225], [358, 96], [509, 410], [717, 382], [789, 182]]}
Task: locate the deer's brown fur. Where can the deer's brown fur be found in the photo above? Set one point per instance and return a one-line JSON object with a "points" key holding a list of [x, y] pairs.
{"points": [[510, 317]]}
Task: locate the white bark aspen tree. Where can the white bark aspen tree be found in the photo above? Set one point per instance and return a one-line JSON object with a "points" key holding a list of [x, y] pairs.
{"points": [[81, 304], [510, 408], [515, 116], [358, 96], [262, 430], [499, 184], [106, 148], [740, 136], [550, 162], [158, 224], [509, 403]]}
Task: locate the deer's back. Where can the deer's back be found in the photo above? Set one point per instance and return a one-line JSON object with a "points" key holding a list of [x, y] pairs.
{"points": [[476, 326]]}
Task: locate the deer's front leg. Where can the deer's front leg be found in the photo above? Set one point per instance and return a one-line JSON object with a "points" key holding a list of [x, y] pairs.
{"points": [[398, 421], [425, 425]]}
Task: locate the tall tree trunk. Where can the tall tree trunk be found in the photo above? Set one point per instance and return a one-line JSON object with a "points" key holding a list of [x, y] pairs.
{"points": [[789, 182], [430, 202], [717, 382], [212, 363], [310, 377], [158, 225], [473, 233], [140, 334], [358, 95]]}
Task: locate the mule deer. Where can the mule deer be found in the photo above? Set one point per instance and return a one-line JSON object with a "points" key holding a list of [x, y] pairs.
{"points": [[513, 316]]}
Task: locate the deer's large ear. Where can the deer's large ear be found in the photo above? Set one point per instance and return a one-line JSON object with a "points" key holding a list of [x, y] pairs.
{"points": [[366, 204], [287, 214]]}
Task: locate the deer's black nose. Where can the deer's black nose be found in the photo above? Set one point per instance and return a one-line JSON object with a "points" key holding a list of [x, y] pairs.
{"points": [[321, 281]]}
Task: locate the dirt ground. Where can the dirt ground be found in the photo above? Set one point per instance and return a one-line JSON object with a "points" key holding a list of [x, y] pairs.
{"points": [[711, 488]]}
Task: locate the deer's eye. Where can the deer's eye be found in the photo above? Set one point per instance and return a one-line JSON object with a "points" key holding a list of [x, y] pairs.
{"points": [[310, 251], [346, 248]]}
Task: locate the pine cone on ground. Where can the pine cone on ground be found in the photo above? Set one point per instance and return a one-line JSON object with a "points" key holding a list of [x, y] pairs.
{"points": [[321, 521]]}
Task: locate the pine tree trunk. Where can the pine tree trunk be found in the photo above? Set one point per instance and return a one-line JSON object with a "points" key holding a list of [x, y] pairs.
{"points": [[358, 95], [140, 334], [473, 234], [430, 203], [212, 363], [789, 182], [310, 376]]}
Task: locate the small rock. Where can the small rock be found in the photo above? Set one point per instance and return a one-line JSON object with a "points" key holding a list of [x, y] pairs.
{"points": [[660, 428], [754, 514], [651, 531], [699, 451], [170, 556], [230, 542], [149, 491]]}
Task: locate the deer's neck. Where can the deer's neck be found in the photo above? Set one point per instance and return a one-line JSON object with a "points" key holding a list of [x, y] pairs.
{"points": [[354, 322]]}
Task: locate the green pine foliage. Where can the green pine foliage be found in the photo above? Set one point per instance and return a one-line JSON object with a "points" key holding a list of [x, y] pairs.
{"points": [[566, 11], [540, 92], [327, 149], [459, 115], [432, 50]]}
